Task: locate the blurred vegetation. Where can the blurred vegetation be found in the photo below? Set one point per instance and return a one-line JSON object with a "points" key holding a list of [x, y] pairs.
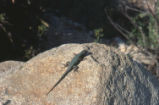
{"points": [[142, 28], [98, 34], [21, 27], [22, 24], [147, 32]]}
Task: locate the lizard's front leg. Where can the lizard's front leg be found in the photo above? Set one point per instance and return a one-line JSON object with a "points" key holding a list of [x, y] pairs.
{"points": [[67, 64]]}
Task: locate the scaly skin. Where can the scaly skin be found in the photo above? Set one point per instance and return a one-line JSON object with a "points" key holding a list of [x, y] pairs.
{"points": [[74, 62]]}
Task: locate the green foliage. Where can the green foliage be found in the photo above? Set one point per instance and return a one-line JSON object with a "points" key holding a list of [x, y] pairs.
{"points": [[140, 27], [146, 29], [3, 21], [98, 34], [42, 28], [30, 52], [2, 17], [153, 33]]}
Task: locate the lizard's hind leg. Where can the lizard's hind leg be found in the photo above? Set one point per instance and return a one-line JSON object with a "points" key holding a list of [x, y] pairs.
{"points": [[75, 68]]}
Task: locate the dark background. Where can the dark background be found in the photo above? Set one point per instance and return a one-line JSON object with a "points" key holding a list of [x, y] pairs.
{"points": [[20, 19]]}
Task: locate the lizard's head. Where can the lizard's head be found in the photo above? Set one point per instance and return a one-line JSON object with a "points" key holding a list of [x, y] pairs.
{"points": [[83, 52]]}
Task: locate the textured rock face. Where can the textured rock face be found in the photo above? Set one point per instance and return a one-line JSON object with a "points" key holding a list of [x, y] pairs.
{"points": [[8, 67], [104, 77]]}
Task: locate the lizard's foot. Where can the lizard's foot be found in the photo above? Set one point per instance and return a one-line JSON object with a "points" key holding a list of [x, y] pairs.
{"points": [[75, 68], [67, 64]]}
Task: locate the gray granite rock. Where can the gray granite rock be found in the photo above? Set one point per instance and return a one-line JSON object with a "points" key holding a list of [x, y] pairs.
{"points": [[105, 77]]}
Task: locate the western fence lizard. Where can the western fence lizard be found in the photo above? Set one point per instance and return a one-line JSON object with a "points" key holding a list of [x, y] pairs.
{"points": [[74, 62]]}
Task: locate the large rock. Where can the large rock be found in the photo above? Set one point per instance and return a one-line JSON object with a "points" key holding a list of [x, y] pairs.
{"points": [[8, 67], [105, 77]]}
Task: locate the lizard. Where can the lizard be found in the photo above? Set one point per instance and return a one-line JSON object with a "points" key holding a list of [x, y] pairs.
{"points": [[74, 62]]}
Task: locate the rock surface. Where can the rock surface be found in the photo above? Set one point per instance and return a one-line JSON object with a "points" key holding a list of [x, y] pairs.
{"points": [[8, 67], [104, 77]]}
